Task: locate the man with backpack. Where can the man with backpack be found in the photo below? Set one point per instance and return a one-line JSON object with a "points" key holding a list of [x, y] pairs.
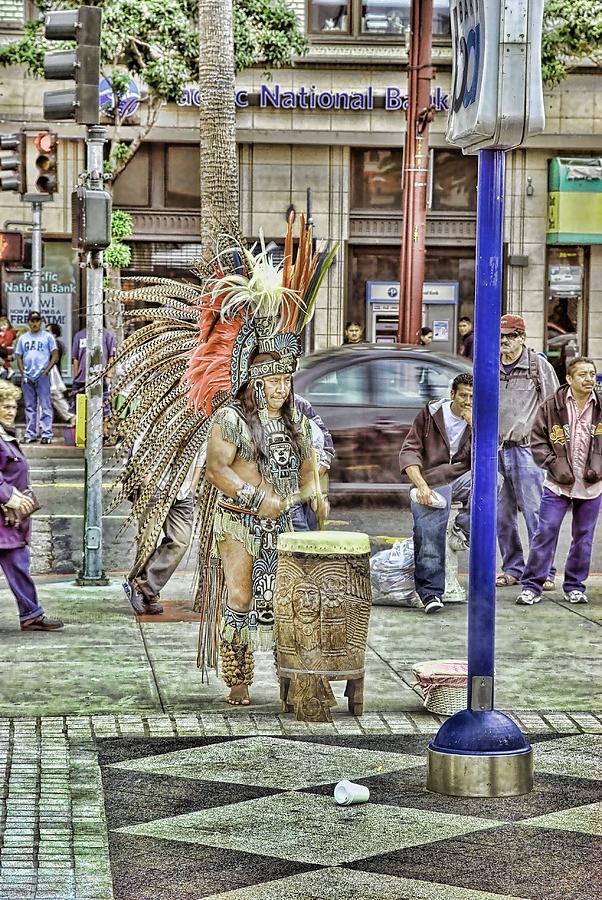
{"points": [[526, 380]]}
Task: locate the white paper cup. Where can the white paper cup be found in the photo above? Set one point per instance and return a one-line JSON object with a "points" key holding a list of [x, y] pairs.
{"points": [[346, 793]]}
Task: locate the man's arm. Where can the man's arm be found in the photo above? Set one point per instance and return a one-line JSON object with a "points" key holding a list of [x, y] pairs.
{"points": [[542, 451], [54, 358], [424, 492], [219, 472], [549, 380], [411, 453], [75, 365]]}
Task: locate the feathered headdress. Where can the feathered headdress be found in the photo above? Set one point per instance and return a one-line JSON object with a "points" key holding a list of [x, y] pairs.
{"points": [[195, 354]]}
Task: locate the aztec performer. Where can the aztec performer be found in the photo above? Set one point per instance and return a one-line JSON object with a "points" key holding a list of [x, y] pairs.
{"points": [[212, 371]]}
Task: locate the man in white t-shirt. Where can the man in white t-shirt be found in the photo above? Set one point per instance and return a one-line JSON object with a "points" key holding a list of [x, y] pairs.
{"points": [[436, 456], [36, 353]]}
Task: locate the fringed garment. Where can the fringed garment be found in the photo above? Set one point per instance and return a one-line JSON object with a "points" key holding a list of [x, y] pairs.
{"points": [[257, 534]]}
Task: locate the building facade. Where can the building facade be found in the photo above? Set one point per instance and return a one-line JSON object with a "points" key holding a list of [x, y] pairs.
{"points": [[334, 125]]}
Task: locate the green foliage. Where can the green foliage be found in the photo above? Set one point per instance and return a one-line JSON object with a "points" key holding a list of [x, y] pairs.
{"points": [[28, 50], [266, 32], [156, 41], [572, 31], [118, 255], [122, 224]]}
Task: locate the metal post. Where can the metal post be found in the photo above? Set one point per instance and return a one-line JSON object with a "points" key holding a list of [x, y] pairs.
{"points": [[36, 254], [480, 752], [415, 172], [92, 573]]}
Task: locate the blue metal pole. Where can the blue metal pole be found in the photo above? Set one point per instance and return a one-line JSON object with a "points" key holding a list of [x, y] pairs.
{"points": [[480, 751], [488, 311]]}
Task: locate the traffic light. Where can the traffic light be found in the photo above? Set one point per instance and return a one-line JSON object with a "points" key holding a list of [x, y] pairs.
{"points": [[81, 65], [12, 167], [46, 162]]}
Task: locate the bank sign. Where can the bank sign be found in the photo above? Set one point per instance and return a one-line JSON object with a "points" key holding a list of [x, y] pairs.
{"points": [[497, 91], [273, 96]]}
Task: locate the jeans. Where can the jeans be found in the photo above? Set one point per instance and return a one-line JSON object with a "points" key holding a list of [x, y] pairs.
{"points": [[430, 527], [543, 547], [15, 565], [303, 517], [164, 561], [520, 490], [34, 393]]}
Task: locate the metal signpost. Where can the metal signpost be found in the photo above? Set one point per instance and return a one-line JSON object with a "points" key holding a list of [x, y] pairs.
{"points": [[92, 571], [91, 213], [497, 101]]}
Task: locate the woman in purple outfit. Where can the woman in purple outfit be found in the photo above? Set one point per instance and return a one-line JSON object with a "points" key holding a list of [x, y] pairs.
{"points": [[15, 520]]}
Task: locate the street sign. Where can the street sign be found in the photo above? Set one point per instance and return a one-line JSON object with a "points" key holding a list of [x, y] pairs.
{"points": [[11, 246], [497, 95]]}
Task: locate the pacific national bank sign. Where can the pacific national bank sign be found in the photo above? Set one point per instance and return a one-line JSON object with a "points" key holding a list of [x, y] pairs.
{"points": [[272, 96]]}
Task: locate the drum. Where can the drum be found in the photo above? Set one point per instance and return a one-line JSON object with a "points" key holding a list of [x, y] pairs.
{"points": [[322, 602]]}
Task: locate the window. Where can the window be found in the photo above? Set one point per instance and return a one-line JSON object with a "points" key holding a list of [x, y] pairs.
{"points": [[344, 387], [376, 180], [565, 306], [132, 187], [182, 177], [329, 15], [160, 176], [408, 382], [370, 18], [454, 182]]}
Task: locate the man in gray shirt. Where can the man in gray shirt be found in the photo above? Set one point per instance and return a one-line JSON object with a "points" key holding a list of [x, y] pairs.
{"points": [[526, 380]]}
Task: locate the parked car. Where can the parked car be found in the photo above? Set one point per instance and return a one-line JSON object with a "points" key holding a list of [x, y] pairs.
{"points": [[368, 396]]}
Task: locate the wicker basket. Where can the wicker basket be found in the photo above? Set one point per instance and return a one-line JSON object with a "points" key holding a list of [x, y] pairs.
{"points": [[443, 683]]}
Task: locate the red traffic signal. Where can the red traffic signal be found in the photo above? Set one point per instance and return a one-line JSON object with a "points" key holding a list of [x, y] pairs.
{"points": [[46, 144]]}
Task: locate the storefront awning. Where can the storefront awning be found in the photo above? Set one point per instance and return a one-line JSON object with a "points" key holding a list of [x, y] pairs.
{"points": [[574, 201]]}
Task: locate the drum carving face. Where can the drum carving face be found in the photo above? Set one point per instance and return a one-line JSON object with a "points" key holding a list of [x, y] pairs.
{"points": [[306, 603]]}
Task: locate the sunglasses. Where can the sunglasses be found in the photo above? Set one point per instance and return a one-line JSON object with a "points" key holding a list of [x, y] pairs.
{"points": [[512, 334]]}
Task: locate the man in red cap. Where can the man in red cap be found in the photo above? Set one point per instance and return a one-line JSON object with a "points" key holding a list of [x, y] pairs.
{"points": [[526, 380]]}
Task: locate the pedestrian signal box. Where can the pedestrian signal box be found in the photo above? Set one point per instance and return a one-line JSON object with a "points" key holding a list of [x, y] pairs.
{"points": [[91, 219]]}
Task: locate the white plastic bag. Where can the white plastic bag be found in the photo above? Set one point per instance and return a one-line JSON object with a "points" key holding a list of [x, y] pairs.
{"points": [[392, 576]]}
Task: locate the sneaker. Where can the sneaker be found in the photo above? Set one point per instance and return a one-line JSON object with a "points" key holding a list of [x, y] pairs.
{"points": [[42, 623], [46, 440], [30, 441], [457, 539], [433, 605], [576, 596], [135, 598], [527, 598]]}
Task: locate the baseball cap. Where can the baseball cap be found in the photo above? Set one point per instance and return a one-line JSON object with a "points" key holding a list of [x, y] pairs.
{"points": [[512, 323], [34, 316]]}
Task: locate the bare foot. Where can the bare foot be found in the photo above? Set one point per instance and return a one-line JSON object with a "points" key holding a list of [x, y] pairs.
{"points": [[239, 695]]}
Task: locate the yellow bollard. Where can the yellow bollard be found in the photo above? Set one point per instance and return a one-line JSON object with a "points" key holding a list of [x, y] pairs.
{"points": [[81, 420]]}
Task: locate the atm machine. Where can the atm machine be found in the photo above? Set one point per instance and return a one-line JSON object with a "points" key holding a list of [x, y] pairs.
{"points": [[439, 312]]}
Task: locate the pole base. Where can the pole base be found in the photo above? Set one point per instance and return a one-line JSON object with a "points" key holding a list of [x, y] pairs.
{"points": [[87, 581], [465, 775], [480, 754]]}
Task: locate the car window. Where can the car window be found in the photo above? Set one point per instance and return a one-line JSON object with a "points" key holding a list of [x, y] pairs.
{"points": [[408, 382], [343, 387]]}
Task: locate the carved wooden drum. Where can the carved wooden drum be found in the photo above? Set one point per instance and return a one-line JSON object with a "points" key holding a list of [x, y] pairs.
{"points": [[322, 602]]}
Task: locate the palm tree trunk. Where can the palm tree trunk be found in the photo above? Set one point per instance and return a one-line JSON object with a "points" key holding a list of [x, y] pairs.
{"points": [[219, 160]]}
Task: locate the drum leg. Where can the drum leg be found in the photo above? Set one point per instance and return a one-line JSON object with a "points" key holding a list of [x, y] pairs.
{"points": [[355, 696], [285, 684]]}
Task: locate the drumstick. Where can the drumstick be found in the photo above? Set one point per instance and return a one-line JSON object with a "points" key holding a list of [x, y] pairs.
{"points": [[318, 488]]}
